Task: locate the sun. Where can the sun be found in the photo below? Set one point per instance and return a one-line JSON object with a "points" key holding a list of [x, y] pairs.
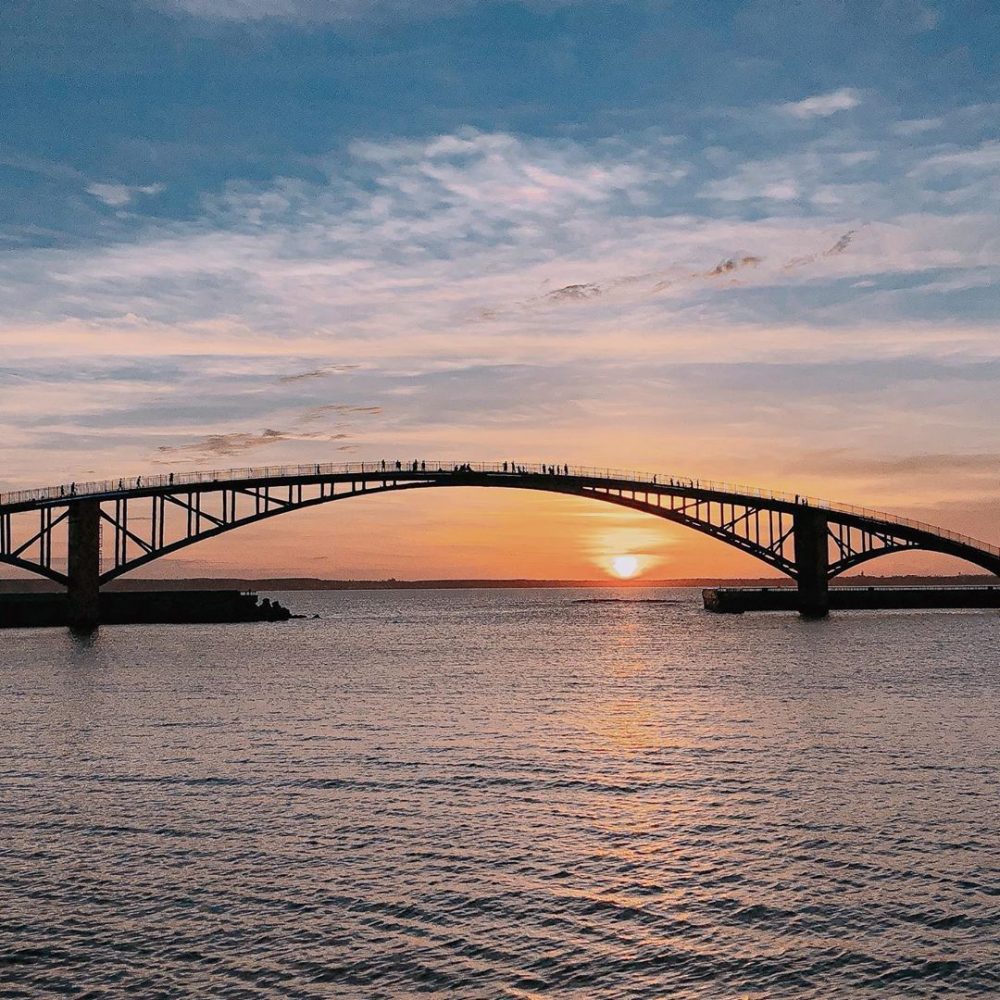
{"points": [[625, 566]]}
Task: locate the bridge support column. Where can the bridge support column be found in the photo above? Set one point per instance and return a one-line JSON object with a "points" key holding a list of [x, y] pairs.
{"points": [[812, 562], [84, 564]]}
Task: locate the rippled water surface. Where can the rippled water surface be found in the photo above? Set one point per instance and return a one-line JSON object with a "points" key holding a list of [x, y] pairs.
{"points": [[503, 794]]}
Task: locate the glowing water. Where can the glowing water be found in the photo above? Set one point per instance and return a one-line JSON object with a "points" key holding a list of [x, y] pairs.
{"points": [[503, 793]]}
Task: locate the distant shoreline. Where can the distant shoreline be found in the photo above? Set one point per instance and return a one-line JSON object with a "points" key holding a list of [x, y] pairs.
{"points": [[313, 583]]}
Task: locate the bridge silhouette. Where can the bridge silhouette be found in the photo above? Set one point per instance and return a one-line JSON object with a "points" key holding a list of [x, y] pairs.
{"points": [[144, 518]]}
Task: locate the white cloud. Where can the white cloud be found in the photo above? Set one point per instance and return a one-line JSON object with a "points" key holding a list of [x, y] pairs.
{"points": [[119, 195], [424, 268], [822, 105], [986, 157], [476, 246], [323, 10], [917, 126], [255, 10]]}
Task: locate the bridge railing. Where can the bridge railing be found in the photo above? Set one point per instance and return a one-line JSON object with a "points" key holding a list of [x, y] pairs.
{"points": [[378, 468]]}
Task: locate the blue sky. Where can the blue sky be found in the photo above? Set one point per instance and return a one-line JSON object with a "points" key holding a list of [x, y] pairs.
{"points": [[748, 240]]}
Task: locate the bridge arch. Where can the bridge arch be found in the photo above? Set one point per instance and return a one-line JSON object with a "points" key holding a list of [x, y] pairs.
{"points": [[143, 519]]}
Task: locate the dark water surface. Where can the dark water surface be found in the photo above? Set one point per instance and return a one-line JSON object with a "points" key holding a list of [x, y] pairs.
{"points": [[503, 794]]}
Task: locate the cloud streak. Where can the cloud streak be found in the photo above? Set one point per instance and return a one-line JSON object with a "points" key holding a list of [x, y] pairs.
{"points": [[325, 372], [822, 105], [238, 442], [120, 195], [318, 11]]}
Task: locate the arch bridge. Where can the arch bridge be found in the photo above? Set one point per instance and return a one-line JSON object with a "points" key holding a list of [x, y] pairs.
{"points": [[100, 530]]}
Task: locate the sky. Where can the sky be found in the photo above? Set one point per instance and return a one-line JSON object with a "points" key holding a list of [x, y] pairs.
{"points": [[753, 241]]}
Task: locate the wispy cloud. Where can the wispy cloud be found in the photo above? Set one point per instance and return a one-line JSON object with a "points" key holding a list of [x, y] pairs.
{"points": [[822, 105], [984, 157], [984, 464], [238, 442], [296, 10], [916, 126], [327, 10], [119, 195], [317, 413], [324, 372], [605, 274]]}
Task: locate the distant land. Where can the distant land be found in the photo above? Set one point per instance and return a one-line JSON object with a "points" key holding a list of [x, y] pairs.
{"points": [[312, 583]]}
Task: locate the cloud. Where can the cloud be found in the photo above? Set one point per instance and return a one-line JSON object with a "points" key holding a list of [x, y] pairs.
{"points": [[317, 413], [574, 292], [238, 442], [323, 372], [317, 11], [916, 126], [841, 245], [603, 273], [651, 282], [810, 175], [822, 105], [984, 157], [119, 195], [207, 446], [976, 466], [301, 10]]}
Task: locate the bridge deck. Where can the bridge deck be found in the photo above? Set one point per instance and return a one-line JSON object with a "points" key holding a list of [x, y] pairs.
{"points": [[283, 474]]}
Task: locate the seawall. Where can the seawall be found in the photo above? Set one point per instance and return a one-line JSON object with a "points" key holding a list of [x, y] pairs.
{"points": [[734, 601], [143, 607]]}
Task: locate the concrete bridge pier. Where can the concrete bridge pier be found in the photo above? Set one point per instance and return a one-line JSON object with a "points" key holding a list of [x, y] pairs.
{"points": [[812, 562], [84, 569]]}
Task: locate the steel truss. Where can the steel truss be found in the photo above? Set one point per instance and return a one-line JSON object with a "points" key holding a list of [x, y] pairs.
{"points": [[138, 525]]}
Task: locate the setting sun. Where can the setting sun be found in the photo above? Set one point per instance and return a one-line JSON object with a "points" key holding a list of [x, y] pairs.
{"points": [[625, 566]]}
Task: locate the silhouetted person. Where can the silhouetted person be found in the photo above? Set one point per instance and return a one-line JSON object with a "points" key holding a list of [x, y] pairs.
{"points": [[62, 491], [171, 479], [423, 466], [383, 465], [72, 489], [398, 466]]}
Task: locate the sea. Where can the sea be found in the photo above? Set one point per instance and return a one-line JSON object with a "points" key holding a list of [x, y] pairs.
{"points": [[503, 793]]}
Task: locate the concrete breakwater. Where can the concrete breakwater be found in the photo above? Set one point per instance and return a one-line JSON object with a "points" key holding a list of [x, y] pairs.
{"points": [[736, 600], [144, 607]]}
